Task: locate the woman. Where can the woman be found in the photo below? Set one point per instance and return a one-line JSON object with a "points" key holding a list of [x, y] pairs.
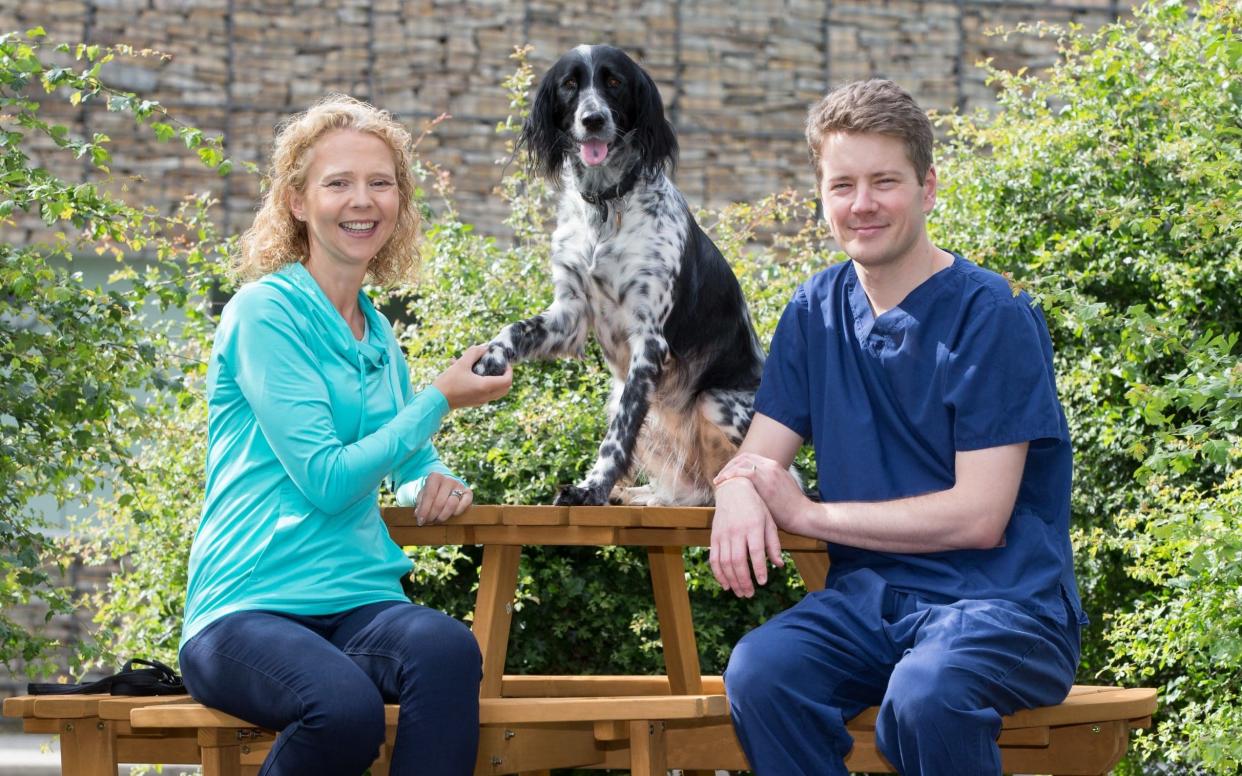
{"points": [[295, 617]]}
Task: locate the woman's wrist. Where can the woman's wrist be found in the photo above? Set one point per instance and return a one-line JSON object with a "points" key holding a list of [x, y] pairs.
{"points": [[734, 480]]}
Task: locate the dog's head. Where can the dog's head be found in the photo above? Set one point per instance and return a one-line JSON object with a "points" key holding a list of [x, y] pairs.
{"points": [[598, 109]]}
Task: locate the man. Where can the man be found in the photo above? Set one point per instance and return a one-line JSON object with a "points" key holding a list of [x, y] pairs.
{"points": [[944, 465]]}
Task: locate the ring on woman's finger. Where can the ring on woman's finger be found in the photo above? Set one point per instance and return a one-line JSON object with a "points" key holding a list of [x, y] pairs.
{"points": [[754, 468], [455, 493]]}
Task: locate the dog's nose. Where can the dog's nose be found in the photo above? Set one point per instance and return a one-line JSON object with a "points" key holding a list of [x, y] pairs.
{"points": [[593, 122]]}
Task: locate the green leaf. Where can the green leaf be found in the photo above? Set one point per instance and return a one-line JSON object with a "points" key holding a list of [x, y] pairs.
{"points": [[163, 132]]}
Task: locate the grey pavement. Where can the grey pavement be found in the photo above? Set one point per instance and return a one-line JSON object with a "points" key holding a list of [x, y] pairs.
{"points": [[29, 755]]}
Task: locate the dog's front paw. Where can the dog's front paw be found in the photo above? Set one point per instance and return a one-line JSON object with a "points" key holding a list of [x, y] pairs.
{"points": [[576, 496], [493, 363], [641, 496]]}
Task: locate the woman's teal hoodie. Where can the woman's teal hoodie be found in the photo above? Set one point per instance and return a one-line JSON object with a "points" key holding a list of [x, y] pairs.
{"points": [[304, 422]]}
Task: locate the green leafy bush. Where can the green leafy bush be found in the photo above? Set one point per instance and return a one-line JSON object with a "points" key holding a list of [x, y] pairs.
{"points": [[82, 371], [1109, 187]]}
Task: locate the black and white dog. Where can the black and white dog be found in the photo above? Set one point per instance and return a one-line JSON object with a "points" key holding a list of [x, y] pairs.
{"points": [[629, 261]]}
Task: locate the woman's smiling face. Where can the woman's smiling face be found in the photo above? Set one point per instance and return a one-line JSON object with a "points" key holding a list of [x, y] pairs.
{"points": [[350, 200]]}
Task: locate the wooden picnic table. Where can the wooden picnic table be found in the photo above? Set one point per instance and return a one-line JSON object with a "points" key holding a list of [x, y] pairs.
{"points": [[532, 724], [663, 531], [1087, 734]]}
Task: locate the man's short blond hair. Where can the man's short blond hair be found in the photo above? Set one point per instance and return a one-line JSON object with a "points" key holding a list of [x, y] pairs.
{"points": [[278, 238], [878, 107]]}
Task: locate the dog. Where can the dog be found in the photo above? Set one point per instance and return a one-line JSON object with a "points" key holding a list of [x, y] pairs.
{"points": [[630, 262]]}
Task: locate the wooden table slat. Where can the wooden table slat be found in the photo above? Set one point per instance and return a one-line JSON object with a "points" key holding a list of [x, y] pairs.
{"points": [[677, 517], [618, 517], [501, 711], [482, 514], [20, 706], [118, 708], [534, 515], [68, 706]]}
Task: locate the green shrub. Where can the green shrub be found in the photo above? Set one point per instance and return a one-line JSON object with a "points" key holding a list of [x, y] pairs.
{"points": [[1109, 187], [83, 374]]}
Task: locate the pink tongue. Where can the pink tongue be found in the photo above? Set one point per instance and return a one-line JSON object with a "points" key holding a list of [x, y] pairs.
{"points": [[593, 152]]}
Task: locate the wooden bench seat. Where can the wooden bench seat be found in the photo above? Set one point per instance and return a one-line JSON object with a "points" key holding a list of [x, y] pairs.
{"points": [[518, 734], [531, 724], [614, 722], [1088, 733]]}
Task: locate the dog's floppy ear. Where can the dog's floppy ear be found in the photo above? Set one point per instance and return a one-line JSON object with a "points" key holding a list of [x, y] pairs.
{"points": [[542, 136], [653, 134]]}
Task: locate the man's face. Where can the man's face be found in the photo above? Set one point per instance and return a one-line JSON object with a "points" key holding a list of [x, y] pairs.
{"points": [[873, 200]]}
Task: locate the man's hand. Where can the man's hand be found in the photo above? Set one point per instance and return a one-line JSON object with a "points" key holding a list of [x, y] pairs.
{"points": [[743, 537], [781, 494]]}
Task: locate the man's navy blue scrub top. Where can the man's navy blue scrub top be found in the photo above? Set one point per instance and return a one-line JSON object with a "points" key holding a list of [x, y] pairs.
{"points": [[960, 364]]}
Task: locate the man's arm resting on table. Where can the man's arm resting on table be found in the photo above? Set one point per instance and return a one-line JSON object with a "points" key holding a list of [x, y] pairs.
{"points": [[972, 514], [743, 531]]}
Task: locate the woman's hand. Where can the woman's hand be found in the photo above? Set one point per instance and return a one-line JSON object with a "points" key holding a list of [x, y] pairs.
{"points": [[463, 388], [781, 494], [441, 498]]}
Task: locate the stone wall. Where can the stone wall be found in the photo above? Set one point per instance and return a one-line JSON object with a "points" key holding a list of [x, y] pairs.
{"points": [[737, 77]]}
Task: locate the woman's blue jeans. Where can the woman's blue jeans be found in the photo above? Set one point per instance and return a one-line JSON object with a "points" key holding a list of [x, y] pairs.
{"points": [[323, 680]]}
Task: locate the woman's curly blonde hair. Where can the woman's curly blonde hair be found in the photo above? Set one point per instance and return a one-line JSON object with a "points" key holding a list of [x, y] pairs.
{"points": [[276, 238]]}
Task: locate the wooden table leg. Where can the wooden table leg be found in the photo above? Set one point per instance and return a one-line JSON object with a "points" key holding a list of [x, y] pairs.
{"points": [[221, 750], [87, 747], [381, 766], [493, 612], [681, 650], [813, 568], [648, 755]]}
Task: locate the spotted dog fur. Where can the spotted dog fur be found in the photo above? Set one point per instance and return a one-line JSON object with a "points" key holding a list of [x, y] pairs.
{"points": [[630, 262]]}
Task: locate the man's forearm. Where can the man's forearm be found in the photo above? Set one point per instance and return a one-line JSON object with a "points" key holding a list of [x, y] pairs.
{"points": [[972, 514], [932, 522]]}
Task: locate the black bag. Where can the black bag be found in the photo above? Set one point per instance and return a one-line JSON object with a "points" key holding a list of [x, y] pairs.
{"points": [[158, 679]]}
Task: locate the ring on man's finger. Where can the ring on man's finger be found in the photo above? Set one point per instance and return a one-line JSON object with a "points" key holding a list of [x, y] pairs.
{"points": [[455, 493]]}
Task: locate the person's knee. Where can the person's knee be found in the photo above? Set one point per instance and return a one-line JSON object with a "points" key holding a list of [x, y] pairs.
{"points": [[442, 649], [456, 650], [755, 673], [923, 692], [351, 714]]}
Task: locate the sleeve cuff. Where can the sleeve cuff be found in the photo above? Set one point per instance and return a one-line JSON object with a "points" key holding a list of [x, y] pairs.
{"points": [[439, 402]]}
